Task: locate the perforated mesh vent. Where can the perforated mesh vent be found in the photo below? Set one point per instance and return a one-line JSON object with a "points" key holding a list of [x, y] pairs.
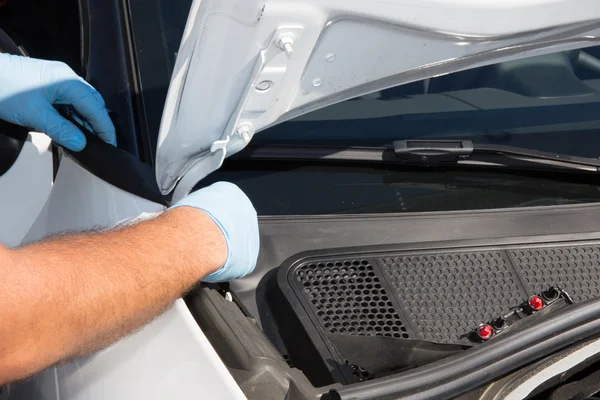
{"points": [[349, 297], [447, 295], [360, 373], [438, 295], [575, 269]]}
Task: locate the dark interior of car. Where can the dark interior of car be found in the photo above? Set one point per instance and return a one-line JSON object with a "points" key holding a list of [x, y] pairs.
{"points": [[45, 29]]}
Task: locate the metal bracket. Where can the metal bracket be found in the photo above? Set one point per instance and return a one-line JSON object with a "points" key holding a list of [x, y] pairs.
{"points": [[275, 60]]}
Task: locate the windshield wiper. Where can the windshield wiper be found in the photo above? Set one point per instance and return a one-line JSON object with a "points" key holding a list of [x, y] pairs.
{"points": [[428, 153], [443, 152]]}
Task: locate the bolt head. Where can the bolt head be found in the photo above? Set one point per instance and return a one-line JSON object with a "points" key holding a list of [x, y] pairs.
{"points": [[285, 42], [245, 131]]}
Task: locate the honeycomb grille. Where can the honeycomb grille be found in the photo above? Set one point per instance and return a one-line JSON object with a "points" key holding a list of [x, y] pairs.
{"points": [[360, 373], [446, 295], [435, 295], [349, 297], [575, 269]]}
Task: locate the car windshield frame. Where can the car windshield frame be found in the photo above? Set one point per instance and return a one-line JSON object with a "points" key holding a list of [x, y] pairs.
{"points": [[155, 35]]}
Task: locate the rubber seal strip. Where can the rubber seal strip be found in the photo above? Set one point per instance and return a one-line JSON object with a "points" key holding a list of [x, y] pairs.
{"points": [[117, 167]]}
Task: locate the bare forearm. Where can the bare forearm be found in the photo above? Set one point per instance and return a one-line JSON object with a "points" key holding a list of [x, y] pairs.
{"points": [[73, 294]]}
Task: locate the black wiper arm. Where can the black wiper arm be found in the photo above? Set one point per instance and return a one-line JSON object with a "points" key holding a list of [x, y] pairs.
{"points": [[426, 153], [445, 152]]}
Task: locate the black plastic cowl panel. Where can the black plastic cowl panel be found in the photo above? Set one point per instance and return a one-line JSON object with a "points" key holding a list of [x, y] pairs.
{"points": [[289, 238], [259, 370], [436, 294]]}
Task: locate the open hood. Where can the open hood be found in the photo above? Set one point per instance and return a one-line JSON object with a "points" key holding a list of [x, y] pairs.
{"points": [[245, 65]]}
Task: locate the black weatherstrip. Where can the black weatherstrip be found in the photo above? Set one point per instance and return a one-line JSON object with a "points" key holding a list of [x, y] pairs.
{"points": [[118, 167]]}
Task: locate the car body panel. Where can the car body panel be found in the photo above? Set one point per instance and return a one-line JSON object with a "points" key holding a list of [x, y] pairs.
{"points": [[169, 358], [232, 77], [25, 187]]}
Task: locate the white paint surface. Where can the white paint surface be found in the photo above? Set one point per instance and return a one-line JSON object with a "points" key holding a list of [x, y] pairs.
{"points": [[24, 189], [168, 359]]}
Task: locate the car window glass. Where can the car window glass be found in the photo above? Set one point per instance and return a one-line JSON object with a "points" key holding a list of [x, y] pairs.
{"points": [[542, 102]]}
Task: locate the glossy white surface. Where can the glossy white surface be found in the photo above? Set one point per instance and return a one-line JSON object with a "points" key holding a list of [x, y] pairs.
{"points": [[232, 78], [24, 189], [80, 200], [168, 359]]}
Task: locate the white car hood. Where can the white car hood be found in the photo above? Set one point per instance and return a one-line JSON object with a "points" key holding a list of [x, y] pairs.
{"points": [[244, 65]]}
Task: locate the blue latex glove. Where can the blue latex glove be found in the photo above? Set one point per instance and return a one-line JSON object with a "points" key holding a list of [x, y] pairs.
{"points": [[29, 88], [233, 212]]}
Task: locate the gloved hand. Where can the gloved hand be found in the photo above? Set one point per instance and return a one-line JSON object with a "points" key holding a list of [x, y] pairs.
{"points": [[29, 88], [233, 212]]}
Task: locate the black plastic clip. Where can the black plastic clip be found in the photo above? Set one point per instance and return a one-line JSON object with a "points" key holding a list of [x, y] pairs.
{"points": [[432, 152]]}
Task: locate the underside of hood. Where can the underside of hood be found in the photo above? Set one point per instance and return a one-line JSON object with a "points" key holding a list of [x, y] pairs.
{"points": [[245, 65]]}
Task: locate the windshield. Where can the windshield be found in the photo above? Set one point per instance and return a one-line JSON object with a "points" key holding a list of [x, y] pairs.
{"points": [[290, 188], [549, 102]]}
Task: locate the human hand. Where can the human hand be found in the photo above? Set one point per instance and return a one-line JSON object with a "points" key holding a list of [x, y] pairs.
{"points": [[235, 215], [29, 88]]}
